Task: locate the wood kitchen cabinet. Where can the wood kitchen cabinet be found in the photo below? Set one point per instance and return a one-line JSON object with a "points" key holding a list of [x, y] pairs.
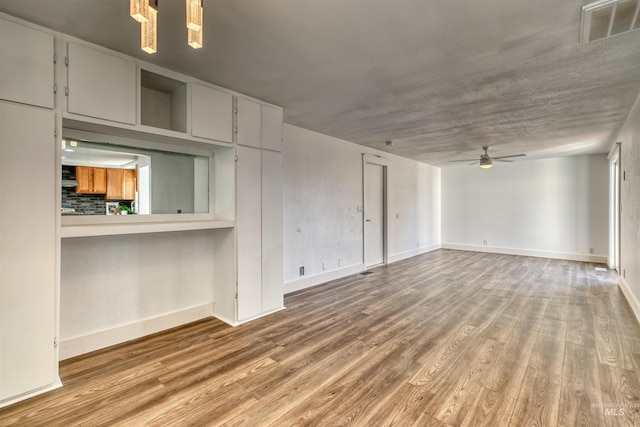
{"points": [[91, 180], [121, 184]]}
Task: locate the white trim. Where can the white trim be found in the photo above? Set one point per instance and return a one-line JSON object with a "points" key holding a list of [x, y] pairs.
{"points": [[24, 396], [413, 252], [76, 346], [600, 259], [139, 228], [318, 279], [614, 152], [631, 298], [249, 319], [375, 159], [384, 163]]}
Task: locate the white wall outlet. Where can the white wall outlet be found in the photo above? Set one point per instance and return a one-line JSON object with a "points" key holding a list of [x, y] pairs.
{"points": [[339, 262], [324, 265], [485, 242]]}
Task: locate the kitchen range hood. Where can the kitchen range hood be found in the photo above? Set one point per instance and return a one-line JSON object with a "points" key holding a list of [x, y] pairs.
{"points": [[69, 183]]}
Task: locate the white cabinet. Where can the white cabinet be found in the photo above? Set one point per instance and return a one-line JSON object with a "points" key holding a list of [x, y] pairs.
{"points": [[271, 128], [259, 209], [101, 85], [27, 251], [249, 236], [259, 232], [272, 251], [211, 113], [258, 125], [26, 68], [248, 120]]}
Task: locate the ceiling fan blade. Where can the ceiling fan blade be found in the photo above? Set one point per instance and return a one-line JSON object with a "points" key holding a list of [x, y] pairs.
{"points": [[503, 160], [506, 157], [464, 160], [474, 163]]}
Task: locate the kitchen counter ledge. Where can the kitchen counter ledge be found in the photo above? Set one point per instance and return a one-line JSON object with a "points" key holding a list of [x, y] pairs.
{"points": [[86, 230]]}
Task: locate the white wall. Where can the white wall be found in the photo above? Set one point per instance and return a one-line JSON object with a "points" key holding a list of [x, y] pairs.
{"points": [[109, 282], [323, 197], [172, 178], [553, 207], [630, 217]]}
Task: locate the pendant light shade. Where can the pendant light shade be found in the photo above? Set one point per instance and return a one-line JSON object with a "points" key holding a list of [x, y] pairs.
{"points": [[194, 38], [194, 14], [149, 30], [139, 10]]}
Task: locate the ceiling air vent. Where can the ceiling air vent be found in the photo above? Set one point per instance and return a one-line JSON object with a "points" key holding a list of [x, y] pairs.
{"points": [[606, 18]]}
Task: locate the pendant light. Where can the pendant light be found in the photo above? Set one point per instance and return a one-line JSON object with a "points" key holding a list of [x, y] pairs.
{"points": [[194, 14], [194, 38], [139, 10], [149, 30], [146, 12]]}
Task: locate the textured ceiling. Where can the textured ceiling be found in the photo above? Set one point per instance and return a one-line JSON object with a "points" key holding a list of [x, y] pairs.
{"points": [[439, 78]]}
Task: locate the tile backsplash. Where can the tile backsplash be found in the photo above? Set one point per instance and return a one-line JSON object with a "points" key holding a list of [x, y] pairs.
{"points": [[85, 204]]}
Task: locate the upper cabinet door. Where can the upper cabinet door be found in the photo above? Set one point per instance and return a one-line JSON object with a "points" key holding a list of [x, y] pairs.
{"points": [[248, 127], [211, 114], [26, 68], [271, 128], [101, 85]]}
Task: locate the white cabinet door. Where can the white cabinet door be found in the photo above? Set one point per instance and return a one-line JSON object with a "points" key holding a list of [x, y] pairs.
{"points": [[271, 128], [211, 114], [101, 85], [26, 68], [27, 249], [248, 123], [272, 276], [249, 238]]}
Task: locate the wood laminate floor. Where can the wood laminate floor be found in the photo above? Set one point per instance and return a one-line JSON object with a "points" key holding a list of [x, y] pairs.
{"points": [[448, 338]]}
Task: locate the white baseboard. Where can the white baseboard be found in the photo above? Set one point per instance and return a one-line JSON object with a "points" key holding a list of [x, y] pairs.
{"points": [[232, 323], [600, 259], [413, 252], [631, 298], [318, 279], [76, 346], [33, 393]]}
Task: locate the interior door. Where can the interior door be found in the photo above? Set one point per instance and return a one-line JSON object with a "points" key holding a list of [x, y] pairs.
{"points": [[374, 214]]}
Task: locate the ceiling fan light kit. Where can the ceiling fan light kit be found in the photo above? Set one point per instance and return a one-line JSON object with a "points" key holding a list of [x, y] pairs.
{"points": [[146, 13], [486, 161]]}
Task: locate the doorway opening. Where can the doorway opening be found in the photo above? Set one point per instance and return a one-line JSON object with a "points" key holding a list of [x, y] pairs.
{"points": [[375, 210]]}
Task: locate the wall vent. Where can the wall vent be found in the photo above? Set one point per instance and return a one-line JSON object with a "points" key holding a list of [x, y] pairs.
{"points": [[606, 18]]}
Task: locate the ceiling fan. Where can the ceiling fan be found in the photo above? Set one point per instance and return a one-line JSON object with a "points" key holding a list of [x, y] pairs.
{"points": [[486, 161]]}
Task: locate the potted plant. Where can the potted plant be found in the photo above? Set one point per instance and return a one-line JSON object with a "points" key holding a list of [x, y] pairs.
{"points": [[123, 209]]}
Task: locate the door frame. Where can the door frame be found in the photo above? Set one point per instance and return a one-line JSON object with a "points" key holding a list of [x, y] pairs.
{"points": [[614, 207], [379, 161]]}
